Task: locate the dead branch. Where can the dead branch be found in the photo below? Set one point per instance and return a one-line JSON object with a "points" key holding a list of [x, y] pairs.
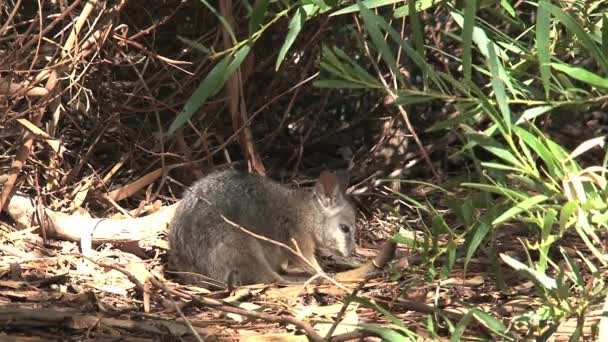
{"points": [[73, 227]]}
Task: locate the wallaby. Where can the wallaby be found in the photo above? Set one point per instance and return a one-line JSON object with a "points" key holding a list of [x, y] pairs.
{"points": [[202, 242]]}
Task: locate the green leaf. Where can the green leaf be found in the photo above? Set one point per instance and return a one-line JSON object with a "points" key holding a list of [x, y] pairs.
{"points": [[573, 26], [474, 239], [496, 190], [482, 42], [525, 205], [222, 20], [548, 283], [294, 28], [417, 33], [386, 334], [546, 238], [447, 267], [459, 329], [507, 6], [416, 57], [548, 222], [578, 278], [498, 166], [372, 24], [467, 37], [582, 75], [499, 87], [495, 148], [338, 84], [543, 24], [405, 240], [605, 34], [210, 86], [257, 15], [550, 159], [235, 63], [532, 113], [405, 99], [194, 44], [371, 4], [454, 121], [421, 5], [490, 322], [355, 69], [410, 200], [585, 231]]}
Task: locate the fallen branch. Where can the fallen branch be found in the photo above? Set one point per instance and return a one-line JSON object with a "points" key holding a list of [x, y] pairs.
{"points": [[74, 227]]}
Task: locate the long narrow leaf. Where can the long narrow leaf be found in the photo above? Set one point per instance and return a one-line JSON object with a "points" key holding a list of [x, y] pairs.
{"points": [[539, 148], [210, 86], [495, 148], [371, 4], [519, 208], [467, 37], [543, 24], [499, 87], [542, 279], [573, 26], [421, 5], [257, 15], [295, 26], [417, 32], [372, 24], [474, 239], [482, 42], [582, 75]]}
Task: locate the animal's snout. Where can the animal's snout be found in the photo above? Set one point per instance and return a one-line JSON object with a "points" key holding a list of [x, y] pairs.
{"points": [[346, 250]]}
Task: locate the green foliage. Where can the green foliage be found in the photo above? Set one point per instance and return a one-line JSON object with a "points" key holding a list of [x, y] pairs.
{"points": [[513, 68], [513, 79]]}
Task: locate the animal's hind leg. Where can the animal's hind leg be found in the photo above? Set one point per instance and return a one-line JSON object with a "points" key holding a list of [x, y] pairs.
{"points": [[255, 268]]}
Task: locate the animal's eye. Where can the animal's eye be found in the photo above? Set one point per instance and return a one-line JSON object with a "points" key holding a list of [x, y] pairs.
{"points": [[344, 228]]}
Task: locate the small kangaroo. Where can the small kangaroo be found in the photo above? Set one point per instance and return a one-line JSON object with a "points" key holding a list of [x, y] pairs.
{"points": [[202, 242]]}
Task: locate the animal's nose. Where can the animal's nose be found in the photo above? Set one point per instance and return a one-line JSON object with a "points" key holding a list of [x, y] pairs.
{"points": [[347, 252]]}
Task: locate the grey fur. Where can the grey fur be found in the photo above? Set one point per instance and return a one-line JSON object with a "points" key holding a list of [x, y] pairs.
{"points": [[202, 242]]}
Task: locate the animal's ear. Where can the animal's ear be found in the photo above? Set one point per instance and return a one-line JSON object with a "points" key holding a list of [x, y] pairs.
{"points": [[330, 188]]}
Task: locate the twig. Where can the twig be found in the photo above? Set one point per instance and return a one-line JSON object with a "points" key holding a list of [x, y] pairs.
{"points": [[51, 86], [120, 269], [187, 321], [347, 303]]}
